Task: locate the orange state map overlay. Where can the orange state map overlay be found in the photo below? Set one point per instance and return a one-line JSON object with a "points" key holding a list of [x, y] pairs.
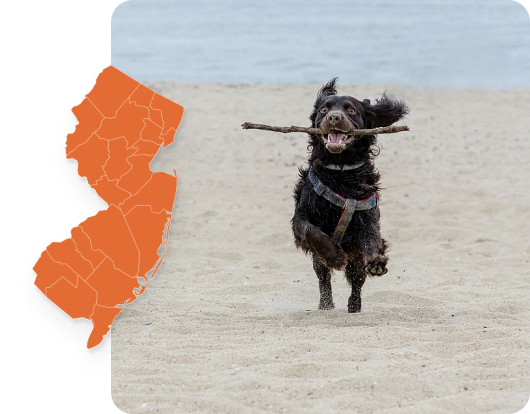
{"points": [[93, 274]]}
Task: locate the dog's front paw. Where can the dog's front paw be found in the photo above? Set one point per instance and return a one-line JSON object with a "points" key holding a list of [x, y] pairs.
{"points": [[375, 265], [335, 258]]}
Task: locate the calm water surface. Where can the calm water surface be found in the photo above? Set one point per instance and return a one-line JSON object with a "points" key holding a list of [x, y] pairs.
{"points": [[465, 43]]}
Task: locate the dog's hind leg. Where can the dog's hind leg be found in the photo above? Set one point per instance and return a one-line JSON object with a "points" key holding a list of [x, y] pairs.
{"points": [[324, 284], [355, 275]]}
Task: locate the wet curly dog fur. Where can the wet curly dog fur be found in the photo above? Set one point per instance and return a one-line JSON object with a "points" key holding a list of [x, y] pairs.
{"points": [[361, 251]]}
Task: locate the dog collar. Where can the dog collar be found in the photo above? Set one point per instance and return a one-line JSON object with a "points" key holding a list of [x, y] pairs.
{"points": [[348, 205], [344, 167]]}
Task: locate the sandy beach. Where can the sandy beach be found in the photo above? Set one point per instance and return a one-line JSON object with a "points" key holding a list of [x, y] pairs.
{"points": [[230, 323]]}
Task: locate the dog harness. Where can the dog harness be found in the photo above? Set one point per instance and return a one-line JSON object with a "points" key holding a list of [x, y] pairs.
{"points": [[348, 205]]}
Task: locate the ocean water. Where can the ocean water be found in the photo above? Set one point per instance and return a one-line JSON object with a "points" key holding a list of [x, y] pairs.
{"points": [[465, 43]]}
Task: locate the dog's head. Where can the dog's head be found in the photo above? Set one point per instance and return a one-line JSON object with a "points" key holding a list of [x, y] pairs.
{"points": [[337, 115]]}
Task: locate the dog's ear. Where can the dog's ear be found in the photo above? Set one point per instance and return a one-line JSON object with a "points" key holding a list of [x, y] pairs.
{"points": [[329, 88], [384, 112]]}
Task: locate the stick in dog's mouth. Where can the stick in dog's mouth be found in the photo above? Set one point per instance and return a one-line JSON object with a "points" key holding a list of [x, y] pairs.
{"points": [[382, 130]]}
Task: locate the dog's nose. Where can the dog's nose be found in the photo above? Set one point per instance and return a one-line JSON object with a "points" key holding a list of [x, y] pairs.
{"points": [[333, 118]]}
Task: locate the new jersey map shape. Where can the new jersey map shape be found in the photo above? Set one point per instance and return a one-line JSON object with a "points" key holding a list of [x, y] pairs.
{"points": [[93, 274]]}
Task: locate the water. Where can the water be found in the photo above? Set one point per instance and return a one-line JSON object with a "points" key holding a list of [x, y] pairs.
{"points": [[465, 43]]}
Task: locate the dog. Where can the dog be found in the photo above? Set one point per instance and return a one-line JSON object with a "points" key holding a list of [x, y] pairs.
{"points": [[336, 218]]}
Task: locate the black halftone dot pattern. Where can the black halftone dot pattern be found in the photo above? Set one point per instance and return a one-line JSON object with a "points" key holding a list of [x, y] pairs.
{"points": [[52, 321]]}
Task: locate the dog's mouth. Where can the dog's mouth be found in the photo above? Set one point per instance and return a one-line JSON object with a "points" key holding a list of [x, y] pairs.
{"points": [[336, 141]]}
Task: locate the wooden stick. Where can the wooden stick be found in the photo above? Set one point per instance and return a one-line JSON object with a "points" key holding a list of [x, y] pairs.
{"points": [[384, 130]]}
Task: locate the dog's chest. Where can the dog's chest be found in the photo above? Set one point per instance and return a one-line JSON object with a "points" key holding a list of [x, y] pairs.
{"points": [[352, 185], [348, 184]]}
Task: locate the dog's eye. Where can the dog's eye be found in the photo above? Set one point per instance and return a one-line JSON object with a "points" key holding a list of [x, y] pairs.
{"points": [[323, 109], [351, 111]]}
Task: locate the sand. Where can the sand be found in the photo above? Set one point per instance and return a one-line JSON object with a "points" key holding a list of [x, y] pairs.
{"points": [[230, 323]]}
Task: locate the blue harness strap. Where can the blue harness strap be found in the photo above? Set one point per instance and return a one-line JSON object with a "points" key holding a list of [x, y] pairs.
{"points": [[347, 205]]}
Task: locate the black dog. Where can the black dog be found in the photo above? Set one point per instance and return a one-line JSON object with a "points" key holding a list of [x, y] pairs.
{"points": [[336, 216]]}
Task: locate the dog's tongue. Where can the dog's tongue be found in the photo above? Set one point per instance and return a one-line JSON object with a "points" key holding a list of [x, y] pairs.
{"points": [[335, 138]]}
